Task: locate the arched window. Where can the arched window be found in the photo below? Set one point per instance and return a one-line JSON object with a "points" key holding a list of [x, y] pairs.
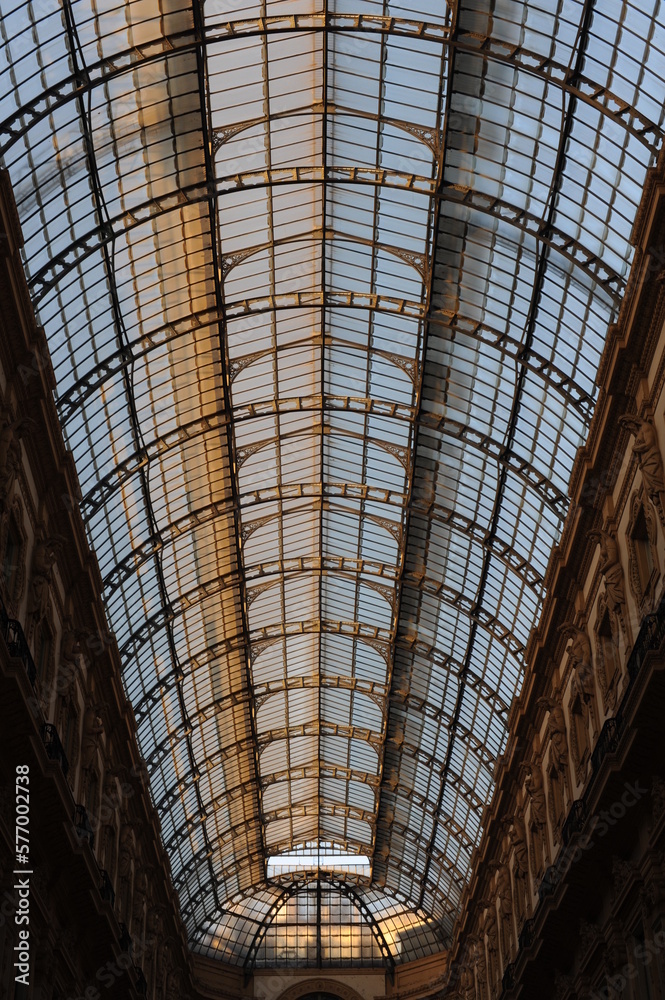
{"points": [[643, 554], [608, 655], [579, 718], [556, 803]]}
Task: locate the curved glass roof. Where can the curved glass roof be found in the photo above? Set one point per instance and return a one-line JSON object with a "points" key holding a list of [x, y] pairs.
{"points": [[326, 284]]}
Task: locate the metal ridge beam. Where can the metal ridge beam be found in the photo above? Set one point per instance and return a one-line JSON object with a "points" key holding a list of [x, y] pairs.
{"points": [[141, 347], [484, 47], [435, 512], [105, 487]]}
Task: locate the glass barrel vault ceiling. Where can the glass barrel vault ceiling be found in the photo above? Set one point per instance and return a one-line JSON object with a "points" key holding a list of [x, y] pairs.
{"points": [[326, 285]]}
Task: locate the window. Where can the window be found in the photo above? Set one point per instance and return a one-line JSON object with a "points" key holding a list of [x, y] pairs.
{"points": [[643, 557], [42, 652], [555, 799], [11, 558], [608, 653], [580, 736], [321, 857]]}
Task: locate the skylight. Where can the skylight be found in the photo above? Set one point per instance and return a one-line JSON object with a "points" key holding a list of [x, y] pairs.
{"points": [[322, 857]]}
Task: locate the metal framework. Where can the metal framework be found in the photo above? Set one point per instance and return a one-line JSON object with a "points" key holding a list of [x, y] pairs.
{"points": [[325, 320]]}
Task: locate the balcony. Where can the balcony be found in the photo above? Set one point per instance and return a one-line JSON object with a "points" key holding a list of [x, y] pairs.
{"points": [[17, 645], [53, 746], [125, 939], [508, 980], [607, 743], [106, 890], [141, 985], [574, 821], [548, 883], [526, 935], [82, 825]]}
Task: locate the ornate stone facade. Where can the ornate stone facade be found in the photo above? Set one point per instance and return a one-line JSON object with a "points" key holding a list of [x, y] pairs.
{"points": [[65, 717]]}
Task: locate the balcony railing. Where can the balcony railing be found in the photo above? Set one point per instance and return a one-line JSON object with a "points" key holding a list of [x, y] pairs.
{"points": [[125, 939], [508, 980], [83, 826], [607, 742], [548, 883], [53, 746], [574, 821], [17, 645], [526, 935], [141, 985], [106, 890]]}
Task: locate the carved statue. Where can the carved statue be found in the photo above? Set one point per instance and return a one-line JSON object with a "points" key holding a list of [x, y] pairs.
{"points": [[536, 791], [70, 650], [11, 432], [93, 727], [467, 981], [556, 728], [127, 851], [43, 559], [518, 843], [477, 955], [173, 986], [579, 654], [504, 891], [647, 451], [491, 931], [610, 567], [139, 898]]}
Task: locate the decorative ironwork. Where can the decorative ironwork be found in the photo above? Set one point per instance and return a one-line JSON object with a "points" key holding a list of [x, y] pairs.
{"points": [[574, 822], [527, 935], [83, 826], [126, 942], [606, 743], [53, 746], [106, 890], [16, 642]]}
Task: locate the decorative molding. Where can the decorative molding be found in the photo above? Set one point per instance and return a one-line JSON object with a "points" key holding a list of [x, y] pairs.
{"points": [[333, 986], [643, 590]]}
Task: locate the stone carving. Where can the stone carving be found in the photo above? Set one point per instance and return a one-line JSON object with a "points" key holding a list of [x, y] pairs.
{"points": [[612, 571], [647, 451], [580, 657], [93, 727], [505, 896], [492, 934], [622, 871], [643, 563], [70, 650], [556, 729], [43, 560], [536, 790], [127, 851], [467, 985], [477, 955], [11, 432], [139, 899], [173, 986], [517, 836], [589, 935]]}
